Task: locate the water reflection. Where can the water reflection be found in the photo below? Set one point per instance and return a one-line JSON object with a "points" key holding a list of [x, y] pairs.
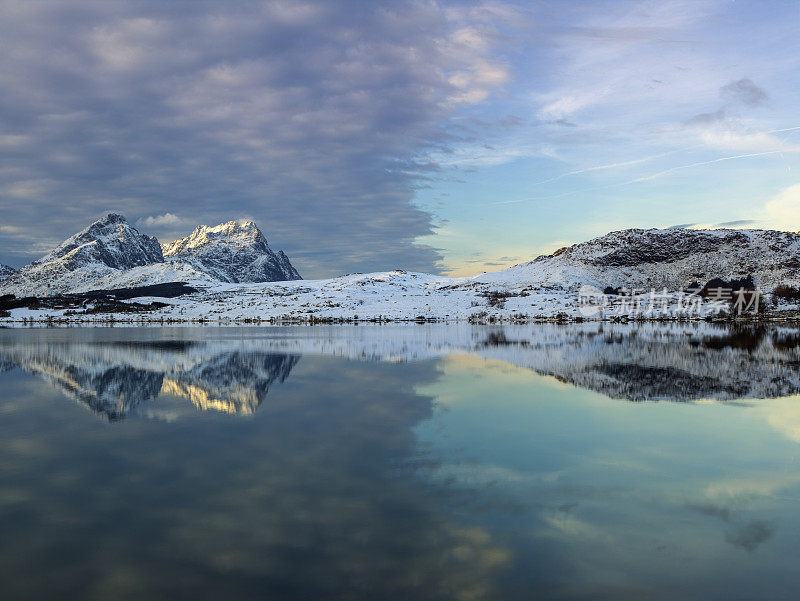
{"points": [[399, 463], [316, 497], [114, 378], [233, 374]]}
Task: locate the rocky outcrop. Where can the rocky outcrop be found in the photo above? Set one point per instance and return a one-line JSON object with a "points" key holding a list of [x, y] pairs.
{"points": [[6, 272]]}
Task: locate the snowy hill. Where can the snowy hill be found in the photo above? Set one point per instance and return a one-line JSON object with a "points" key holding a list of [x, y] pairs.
{"points": [[671, 258], [109, 244], [235, 251], [6, 271]]}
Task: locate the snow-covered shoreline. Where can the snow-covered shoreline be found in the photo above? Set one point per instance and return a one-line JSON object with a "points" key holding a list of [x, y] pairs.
{"points": [[390, 297]]}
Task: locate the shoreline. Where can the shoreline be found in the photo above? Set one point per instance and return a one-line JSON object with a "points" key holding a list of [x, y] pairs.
{"points": [[327, 321]]}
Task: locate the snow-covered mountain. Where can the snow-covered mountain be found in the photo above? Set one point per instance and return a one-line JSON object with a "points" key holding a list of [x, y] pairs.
{"points": [[671, 258], [111, 253], [108, 245], [235, 251], [6, 271]]}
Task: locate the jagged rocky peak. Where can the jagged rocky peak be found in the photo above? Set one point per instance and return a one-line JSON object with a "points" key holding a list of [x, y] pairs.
{"points": [[240, 233], [6, 271], [111, 241], [234, 251], [107, 245]]}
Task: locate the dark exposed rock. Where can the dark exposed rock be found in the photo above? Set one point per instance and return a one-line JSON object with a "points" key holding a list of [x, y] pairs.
{"points": [[6, 271]]}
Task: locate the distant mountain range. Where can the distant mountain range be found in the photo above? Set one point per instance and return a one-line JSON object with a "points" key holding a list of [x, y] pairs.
{"points": [[111, 253]]}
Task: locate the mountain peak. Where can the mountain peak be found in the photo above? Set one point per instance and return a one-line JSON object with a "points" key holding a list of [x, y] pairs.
{"points": [[109, 222], [111, 251], [113, 218], [109, 244], [233, 251], [240, 233]]}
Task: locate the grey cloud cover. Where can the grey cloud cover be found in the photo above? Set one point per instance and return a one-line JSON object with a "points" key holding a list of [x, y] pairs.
{"points": [[744, 91], [706, 118], [311, 118]]}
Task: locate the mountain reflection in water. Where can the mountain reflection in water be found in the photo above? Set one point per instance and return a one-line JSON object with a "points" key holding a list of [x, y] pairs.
{"points": [[411, 462], [233, 374]]}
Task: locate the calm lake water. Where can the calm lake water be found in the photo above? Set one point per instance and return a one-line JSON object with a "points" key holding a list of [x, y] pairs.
{"points": [[411, 463]]}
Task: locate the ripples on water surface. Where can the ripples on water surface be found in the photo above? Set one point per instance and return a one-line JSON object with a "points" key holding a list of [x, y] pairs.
{"points": [[414, 462]]}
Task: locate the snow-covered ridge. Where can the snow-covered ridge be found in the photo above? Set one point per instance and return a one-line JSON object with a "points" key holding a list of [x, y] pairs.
{"points": [[240, 233], [235, 270], [671, 258]]}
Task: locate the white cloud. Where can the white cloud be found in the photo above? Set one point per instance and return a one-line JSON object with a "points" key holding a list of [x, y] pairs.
{"points": [[164, 220], [783, 211], [730, 135], [27, 189], [784, 415], [566, 106]]}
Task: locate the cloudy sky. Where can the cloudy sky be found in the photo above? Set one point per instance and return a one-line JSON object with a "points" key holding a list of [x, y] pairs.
{"points": [[434, 136]]}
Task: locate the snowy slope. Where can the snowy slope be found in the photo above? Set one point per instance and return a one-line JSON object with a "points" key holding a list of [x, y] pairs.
{"points": [[147, 275], [236, 251], [6, 271], [108, 245], [671, 258], [394, 295]]}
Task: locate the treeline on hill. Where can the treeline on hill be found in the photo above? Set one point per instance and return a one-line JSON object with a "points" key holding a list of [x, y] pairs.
{"points": [[711, 287], [787, 293], [98, 301]]}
